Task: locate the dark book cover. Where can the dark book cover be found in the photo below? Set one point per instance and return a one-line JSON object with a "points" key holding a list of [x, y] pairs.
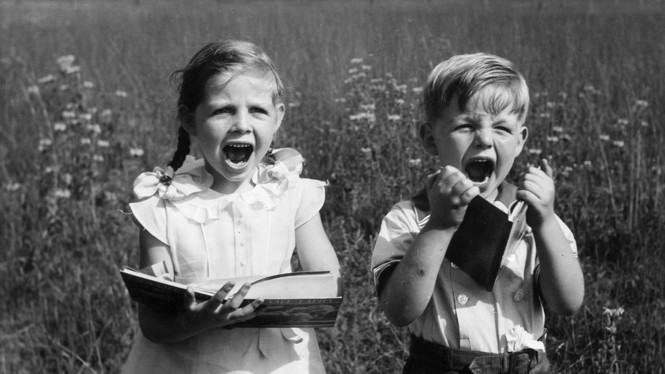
{"points": [[485, 234]]}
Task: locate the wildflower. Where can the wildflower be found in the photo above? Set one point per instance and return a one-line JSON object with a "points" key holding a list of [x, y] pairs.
{"points": [[618, 143], [98, 158], [103, 143], [394, 117], [535, 151], [105, 117], [565, 137], [589, 88], [85, 116], [59, 126], [357, 60], [557, 129], [71, 69], [67, 178], [553, 139], [415, 163], [11, 186], [340, 100], [613, 313], [563, 95], [44, 144], [550, 104], [370, 117], [587, 164], [136, 152], [120, 93], [33, 90], [85, 141], [644, 124], [88, 84], [66, 60], [641, 103], [401, 88], [353, 71], [46, 79], [94, 128], [622, 122], [294, 104], [366, 67], [68, 115], [62, 193], [604, 137], [367, 152], [544, 115], [64, 87], [417, 90], [49, 170], [367, 107]]}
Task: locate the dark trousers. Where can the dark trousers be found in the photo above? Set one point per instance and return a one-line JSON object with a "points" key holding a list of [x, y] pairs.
{"points": [[431, 358]]}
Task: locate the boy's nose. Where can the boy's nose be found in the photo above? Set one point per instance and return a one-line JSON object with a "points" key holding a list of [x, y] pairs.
{"points": [[484, 138]]}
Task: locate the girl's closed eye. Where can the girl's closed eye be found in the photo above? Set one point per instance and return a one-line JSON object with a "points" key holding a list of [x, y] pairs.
{"points": [[258, 110], [223, 110], [464, 127]]}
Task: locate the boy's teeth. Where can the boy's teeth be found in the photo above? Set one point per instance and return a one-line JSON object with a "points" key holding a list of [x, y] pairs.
{"points": [[237, 153], [479, 170]]}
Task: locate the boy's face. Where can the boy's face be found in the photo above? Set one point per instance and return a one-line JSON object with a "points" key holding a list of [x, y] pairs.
{"points": [[480, 144]]}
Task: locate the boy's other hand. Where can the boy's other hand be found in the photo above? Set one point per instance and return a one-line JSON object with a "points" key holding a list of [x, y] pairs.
{"points": [[449, 192], [536, 188]]}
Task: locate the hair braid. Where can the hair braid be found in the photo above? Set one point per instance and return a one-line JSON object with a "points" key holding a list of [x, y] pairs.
{"points": [[182, 151]]}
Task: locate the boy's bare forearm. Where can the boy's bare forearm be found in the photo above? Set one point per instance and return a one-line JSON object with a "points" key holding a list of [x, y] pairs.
{"points": [[561, 278], [409, 288]]}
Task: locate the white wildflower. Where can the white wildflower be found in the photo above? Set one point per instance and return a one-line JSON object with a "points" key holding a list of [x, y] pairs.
{"points": [[415, 163], [33, 90], [103, 143], [86, 141], [46, 79], [136, 152], [62, 193], [120, 93], [59, 126], [44, 144], [604, 137], [394, 117]]}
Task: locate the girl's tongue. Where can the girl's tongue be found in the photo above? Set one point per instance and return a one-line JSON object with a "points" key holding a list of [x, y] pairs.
{"points": [[238, 153]]}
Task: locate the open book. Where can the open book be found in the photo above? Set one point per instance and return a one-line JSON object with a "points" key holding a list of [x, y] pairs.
{"points": [[485, 235], [303, 299]]}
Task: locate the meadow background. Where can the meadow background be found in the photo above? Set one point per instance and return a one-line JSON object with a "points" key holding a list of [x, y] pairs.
{"points": [[76, 130]]}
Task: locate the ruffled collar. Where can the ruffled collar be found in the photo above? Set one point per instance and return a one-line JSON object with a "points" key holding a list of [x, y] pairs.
{"points": [[188, 189]]}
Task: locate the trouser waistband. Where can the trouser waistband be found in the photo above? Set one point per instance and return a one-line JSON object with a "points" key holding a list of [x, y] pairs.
{"points": [[435, 358]]}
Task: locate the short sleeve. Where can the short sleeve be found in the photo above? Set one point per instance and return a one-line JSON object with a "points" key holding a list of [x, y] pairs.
{"points": [[150, 214], [312, 196], [398, 230]]}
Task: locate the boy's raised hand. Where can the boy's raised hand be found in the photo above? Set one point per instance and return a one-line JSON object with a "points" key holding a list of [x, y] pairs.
{"points": [[536, 188], [217, 311], [449, 192]]}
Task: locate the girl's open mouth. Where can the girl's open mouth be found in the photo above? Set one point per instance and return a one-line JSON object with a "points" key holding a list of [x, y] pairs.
{"points": [[479, 171], [237, 154]]}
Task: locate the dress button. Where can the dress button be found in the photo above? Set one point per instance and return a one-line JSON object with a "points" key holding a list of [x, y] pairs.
{"points": [[452, 265], [519, 295], [462, 299]]}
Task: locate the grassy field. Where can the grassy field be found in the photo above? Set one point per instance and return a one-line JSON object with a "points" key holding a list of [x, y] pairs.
{"points": [[75, 134]]}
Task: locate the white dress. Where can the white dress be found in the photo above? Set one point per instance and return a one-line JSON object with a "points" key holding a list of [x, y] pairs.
{"points": [[222, 236]]}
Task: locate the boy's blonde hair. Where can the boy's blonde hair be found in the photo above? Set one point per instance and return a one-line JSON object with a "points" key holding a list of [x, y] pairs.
{"points": [[463, 76]]}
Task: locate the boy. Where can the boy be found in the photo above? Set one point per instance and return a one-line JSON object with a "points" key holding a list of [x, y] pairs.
{"points": [[475, 108]]}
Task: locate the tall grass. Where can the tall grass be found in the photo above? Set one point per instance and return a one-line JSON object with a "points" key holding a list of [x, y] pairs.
{"points": [[72, 144]]}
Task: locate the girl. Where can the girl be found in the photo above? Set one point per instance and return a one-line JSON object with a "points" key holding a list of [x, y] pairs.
{"points": [[232, 213]]}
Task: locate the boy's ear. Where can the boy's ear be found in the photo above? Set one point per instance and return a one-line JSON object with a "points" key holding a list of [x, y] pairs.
{"points": [[186, 119], [426, 135], [523, 135]]}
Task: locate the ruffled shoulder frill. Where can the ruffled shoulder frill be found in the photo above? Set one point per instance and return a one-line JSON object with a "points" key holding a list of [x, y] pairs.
{"points": [[188, 189]]}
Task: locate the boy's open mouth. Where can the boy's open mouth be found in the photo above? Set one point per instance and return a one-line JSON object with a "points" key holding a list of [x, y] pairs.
{"points": [[479, 170], [237, 154]]}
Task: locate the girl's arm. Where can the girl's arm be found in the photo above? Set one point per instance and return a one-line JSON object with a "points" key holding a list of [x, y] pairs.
{"points": [[561, 278], [314, 249], [193, 317]]}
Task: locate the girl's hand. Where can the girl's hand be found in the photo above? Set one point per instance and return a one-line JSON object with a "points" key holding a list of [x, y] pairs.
{"points": [[217, 311], [537, 189], [449, 192]]}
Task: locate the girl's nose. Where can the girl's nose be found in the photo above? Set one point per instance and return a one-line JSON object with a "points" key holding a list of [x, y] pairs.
{"points": [[241, 124], [484, 138]]}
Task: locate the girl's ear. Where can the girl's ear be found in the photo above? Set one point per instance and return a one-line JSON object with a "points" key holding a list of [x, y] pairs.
{"points": [[186, 119], [523, 135], [426, 135], [281, 110]]}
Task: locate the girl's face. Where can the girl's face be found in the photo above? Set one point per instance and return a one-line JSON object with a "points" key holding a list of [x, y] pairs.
{"points": [[234, 124]]}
